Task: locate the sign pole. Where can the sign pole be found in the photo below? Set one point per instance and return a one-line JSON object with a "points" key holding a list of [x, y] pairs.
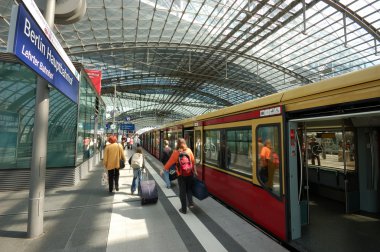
{"points": [[114, 106], [40, 135]]}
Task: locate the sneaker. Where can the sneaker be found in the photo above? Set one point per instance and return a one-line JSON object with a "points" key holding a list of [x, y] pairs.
{"points": [[191, 205], [181, 211]]}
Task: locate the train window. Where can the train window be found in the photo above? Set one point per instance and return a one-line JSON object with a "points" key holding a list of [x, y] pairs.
{"points": [[172, 137], [198, 147], [212, 146], [229, 149], [331, 148], [268, 146], [237, 154]]}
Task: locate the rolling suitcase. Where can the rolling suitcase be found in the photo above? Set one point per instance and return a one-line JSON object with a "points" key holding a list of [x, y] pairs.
{"points": [[148, 191]]}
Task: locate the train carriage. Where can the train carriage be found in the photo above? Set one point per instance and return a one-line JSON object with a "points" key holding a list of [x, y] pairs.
{"points": [[266, 157]]}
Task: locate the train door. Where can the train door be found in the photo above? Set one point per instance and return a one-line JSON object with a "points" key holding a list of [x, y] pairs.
{"points": [[333, 177], [198, 151], [188, 134], [295, 176], [162, 138], [369, 168], [323, 160]]}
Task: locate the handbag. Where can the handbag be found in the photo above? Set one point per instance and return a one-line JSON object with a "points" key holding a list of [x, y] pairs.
{"points": [[122, 164], [104, 179], [172, 173]]}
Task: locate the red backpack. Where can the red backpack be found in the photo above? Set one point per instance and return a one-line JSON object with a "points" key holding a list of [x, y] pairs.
{"points": [[184, 164]]}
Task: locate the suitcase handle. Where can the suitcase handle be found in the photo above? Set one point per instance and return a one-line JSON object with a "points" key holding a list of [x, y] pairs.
{"points": [[144, 177]]}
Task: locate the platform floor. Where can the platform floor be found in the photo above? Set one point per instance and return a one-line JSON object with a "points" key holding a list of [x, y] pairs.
{"points": [[86, 217], [331, 229]]}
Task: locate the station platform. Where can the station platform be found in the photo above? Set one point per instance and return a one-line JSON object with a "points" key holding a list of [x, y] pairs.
{"points": [[86, 217]]}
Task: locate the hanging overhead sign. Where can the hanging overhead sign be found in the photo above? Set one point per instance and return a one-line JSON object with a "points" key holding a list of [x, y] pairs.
{"points": [[96, 78], [33, 42]]}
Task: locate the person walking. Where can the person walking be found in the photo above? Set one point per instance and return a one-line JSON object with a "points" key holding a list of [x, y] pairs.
{"points": [[137, 163], [113, 153], [184, 159], [166, 152], [127, 141], [315, 151], [131, 142]]}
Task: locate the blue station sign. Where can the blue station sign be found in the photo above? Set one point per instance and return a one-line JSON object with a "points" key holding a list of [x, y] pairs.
{"points": [[33, 46], [127, 126]]}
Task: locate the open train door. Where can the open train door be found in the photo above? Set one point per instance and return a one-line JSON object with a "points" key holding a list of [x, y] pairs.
{"points": [[335, 159], [294, 181]]}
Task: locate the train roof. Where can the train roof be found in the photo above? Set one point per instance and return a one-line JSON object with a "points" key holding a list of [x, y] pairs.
{"points": [[338, 82], [291, 96]]}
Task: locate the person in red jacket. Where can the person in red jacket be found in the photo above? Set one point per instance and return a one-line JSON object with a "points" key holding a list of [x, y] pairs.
{"points": [[185, 180]]}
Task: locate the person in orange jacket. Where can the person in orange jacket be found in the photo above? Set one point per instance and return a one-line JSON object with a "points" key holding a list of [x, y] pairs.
{"points": [[185, 181]]}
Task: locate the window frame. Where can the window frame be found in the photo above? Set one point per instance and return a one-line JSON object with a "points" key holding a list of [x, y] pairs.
{"points": [[280, 154], [235, 129], [223, 139]]}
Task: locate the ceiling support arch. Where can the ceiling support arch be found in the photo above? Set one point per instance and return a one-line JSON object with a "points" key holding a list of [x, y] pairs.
{"points": [[235, 54]]}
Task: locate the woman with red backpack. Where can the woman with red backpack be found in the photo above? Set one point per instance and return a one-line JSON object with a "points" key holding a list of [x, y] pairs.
{"points": [[184, 159]]}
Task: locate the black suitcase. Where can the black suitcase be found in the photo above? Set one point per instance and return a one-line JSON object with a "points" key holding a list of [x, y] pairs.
{"points": [[199, 190], [148, 191]]}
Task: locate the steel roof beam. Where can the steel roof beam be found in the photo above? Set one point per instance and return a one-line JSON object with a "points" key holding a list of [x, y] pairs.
{"points": [[228, 83], [161, 101], [110, 90], [355, 17]]}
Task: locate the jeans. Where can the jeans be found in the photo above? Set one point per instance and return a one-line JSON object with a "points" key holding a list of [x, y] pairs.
{"points": [[263, 174], [166, 178], [136, 180], [185, 190]]}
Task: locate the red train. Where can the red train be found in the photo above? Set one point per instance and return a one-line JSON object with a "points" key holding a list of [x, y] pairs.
{"points": [[273, 159]]}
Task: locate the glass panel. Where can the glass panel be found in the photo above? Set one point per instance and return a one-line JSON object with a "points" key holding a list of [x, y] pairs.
{"points": [[198, 147], [62, 131], [86, 121], [157, 143], [269, 161], [238, 150], [329, 149], [81, 121], [211, 146], [17, 99], [172, 137]]}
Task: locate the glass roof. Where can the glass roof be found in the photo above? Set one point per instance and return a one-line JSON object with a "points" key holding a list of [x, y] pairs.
{"points": [[176, 59]]}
